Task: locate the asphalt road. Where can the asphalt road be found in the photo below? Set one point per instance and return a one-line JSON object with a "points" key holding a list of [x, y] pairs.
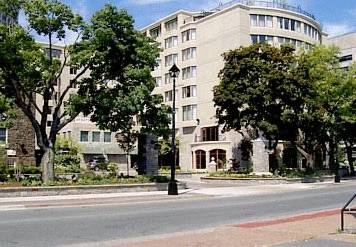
{"points": [[79, 225]]}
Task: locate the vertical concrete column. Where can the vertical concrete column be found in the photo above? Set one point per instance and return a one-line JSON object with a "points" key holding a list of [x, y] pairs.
{"points": [[260, 157]]}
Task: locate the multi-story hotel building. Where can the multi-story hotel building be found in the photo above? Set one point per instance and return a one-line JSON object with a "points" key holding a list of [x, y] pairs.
{"points": [[195, 41]]}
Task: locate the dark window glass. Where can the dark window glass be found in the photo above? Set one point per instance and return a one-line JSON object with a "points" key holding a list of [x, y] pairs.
{"points": [[286, 23], [96, 136], [262, 38], [292, 25], [220, 157], [210, 134], [254, 39], [107, 137], [200, 159], [2, 134], [84, 136]]}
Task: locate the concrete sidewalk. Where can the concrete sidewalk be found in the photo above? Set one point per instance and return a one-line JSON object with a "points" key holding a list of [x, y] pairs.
{"points": [[315, 229]]}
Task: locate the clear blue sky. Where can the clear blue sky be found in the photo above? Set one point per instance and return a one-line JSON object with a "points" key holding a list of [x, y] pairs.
{"points": [[336, 16]]}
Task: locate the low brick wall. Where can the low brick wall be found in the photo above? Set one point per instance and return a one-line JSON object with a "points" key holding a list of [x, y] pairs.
{"points": [[252, 181], [84, 189]]}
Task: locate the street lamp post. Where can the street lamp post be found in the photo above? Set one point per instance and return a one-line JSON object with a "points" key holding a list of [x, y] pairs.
{"points": [[172, 185]]}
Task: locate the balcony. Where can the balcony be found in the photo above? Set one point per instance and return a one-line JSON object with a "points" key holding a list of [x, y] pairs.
{"points": [[220, 138]]}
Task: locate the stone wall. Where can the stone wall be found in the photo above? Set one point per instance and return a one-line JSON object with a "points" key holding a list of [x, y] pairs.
{"points": [[21, 138]]}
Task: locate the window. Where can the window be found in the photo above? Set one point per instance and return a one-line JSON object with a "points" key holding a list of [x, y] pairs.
{"points": [[200, 159], [155, 32], [286, 23], [298, 26], [262, 39], [171, 25], [254, 39], [96, 136], [49, 123], [253, 20], [292, 25], [210, 134], [73, 71], [280, 22], [261, 20], [189, 53], [188, 35], [269, 21], [189, 72], [269, 40], [84, 136], [189, 112], [171, 42], [158, 81], [168, 79], [220, 157], [171, 59], [107, 136], [3, 135], [190, 91], [56, 53], [168, 96], [305, 29], [158, 64]]}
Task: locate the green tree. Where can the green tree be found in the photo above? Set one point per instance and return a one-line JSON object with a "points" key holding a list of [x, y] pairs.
{"points": [[122, 91], [112, 58], [305, 99], [260, 88], [329, 115]]}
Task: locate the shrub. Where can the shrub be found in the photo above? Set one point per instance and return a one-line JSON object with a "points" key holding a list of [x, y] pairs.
{"points": [[30, 170], [65, 163], [113, 169]]}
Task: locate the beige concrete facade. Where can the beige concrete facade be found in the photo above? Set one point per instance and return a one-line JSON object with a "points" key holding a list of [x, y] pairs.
{"points": [[347, 46], [236, 24]]}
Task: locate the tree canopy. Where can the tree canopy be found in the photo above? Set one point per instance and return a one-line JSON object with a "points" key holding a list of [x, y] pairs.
{"points": [[113, 62], [303, 98]]}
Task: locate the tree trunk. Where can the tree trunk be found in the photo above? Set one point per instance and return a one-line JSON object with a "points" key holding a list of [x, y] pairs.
{"points": [[349, 158], [128, 163], [309, 157], [47, 164]]}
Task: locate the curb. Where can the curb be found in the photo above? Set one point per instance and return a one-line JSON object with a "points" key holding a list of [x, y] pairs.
{"points": [[84, 189], [267, 180]]}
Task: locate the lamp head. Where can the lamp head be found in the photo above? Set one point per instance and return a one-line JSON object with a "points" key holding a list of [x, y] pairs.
{"points": [[174, 71]]}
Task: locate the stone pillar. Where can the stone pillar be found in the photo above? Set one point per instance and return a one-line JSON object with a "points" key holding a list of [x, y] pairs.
{"points": [[212, 165], [260, 157], [151, 156]]}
